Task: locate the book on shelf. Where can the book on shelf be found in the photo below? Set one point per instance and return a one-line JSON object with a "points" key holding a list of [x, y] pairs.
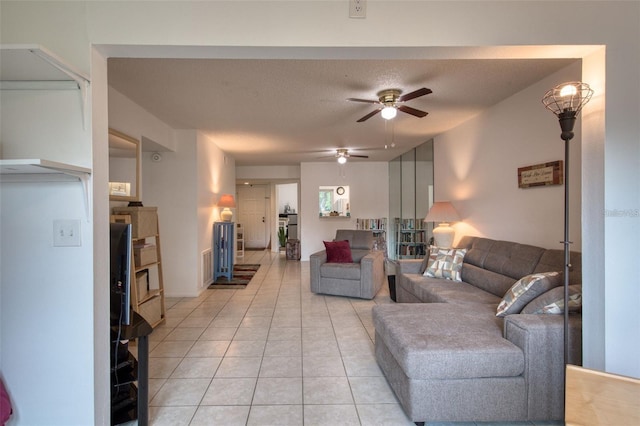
{"points": [[379, 228], [379, 224], [409, 224], [412, 250]]}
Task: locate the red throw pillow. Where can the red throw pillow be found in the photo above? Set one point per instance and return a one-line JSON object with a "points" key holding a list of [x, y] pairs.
{"points": [[338, 251], [5, 405]]}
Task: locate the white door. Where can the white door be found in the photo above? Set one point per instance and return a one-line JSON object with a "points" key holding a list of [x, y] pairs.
{"points": [[252, 213]]}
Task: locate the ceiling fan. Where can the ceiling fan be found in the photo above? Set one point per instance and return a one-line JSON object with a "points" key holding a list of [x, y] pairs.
{"points": [[390, 101], [342, 154]]}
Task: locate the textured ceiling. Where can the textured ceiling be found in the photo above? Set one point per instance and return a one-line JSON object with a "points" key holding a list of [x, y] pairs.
{"points": [[286, 111]]}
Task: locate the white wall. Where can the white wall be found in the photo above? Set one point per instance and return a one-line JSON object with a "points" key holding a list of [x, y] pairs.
{"points": [[216, 176], [36, 124], [47, 293], [129, 118], [70, 29], [287, 194], [170, 185], [101, 245], [476, 167], [593, 206], [160, 188], [273, 173], [184, 187], [369, 187]]}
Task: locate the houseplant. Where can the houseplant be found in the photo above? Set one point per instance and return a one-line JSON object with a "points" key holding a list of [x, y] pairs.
{"points": [[282, 237]]}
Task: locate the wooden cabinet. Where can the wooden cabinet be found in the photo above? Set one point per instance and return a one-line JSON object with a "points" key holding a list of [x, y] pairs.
{"points": [[147, 285]]}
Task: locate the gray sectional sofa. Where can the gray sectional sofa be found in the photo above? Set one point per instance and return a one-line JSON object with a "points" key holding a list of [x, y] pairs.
{"points": [[448, 357]]}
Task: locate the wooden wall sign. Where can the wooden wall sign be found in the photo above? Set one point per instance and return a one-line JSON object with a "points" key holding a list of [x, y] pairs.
{"points": [[541, 174]]}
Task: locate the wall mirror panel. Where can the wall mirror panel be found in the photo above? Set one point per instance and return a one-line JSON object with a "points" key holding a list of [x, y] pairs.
{"points": [[124, 167], [333, 201], [410, 197]]}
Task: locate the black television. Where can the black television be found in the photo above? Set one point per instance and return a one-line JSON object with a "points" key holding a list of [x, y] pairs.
{"points": [[120, 280]]}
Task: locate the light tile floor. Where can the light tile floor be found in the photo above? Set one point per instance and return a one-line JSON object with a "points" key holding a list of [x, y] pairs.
{"points": [[271, 354]]}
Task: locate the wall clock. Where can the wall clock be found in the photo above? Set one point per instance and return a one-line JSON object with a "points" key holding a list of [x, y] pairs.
{"points": [[340, 190]]}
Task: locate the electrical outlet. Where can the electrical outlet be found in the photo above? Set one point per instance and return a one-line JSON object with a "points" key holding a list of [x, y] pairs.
{"points": [[357, 8], [66, 233]]}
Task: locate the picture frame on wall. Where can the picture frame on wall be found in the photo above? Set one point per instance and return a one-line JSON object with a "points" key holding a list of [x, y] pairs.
{"points": [[544, 174]]}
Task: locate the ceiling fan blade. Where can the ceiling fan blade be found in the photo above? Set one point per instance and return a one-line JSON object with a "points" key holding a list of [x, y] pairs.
{"points": [[368, 116], [414, 94], [369, 101], [358, 156], [412, 111]]}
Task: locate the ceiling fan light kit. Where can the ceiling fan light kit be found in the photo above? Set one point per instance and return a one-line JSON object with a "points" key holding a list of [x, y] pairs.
{"points": [[390, 102], [342, 154], [389, 112]]}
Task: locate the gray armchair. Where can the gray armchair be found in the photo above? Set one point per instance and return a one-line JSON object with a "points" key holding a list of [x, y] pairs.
{"points": [[363, 278]]}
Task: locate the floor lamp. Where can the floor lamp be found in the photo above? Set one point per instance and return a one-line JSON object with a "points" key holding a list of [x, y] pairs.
{"points": [[565, 101]]}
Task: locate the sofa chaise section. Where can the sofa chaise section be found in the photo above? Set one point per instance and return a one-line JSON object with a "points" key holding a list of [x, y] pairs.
{"points": [[446, 365], [449, 357]]}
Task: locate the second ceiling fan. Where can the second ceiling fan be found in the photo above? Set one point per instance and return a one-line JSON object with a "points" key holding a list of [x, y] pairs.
{"points": [[342, 154], [391, 100]]}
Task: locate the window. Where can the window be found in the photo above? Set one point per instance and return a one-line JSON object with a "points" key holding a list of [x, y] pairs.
{"points": [[334, 201], [326, 200]]}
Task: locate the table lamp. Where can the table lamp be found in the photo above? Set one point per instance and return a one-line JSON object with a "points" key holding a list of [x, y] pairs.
{"points": [[226, 201], [443, 213]]}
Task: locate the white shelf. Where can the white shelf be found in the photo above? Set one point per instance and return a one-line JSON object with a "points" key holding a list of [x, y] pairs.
{"points": [[33, 63], [29, 170], [32, 67], [37, 170]]}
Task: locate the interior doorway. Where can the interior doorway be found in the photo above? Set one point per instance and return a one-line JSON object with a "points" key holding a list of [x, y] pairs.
{"points": [[287, 212], [253, 213]]}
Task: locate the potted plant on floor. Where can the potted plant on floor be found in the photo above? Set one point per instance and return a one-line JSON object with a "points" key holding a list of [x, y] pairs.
{"points": [[282, 237]]}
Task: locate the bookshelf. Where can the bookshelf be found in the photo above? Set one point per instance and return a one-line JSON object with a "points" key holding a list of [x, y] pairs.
{"points": [[379, 228], [239, 241], [411, 238], [147, 295]]}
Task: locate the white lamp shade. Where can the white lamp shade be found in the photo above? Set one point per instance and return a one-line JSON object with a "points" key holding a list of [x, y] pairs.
{"points": [[443, 212]]}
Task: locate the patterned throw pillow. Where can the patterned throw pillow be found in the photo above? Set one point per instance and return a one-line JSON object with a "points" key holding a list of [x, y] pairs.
{"points": [[428, 260], [525, 290], [552, 302], [338, 251], [447, 264]]}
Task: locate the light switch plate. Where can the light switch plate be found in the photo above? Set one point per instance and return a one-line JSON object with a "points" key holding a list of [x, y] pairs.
{"points": [[66, 233]]}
